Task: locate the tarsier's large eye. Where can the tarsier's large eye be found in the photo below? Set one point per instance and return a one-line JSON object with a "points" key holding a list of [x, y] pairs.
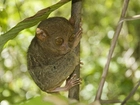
{"points": [[71, 39], [59, 41]]}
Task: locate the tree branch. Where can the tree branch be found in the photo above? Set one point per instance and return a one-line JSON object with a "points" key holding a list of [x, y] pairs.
{"points": [[113, 44], [76, 19], [131, 93], [109, 101]]}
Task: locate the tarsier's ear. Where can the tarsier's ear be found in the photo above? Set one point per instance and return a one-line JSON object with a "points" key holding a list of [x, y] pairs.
{"points": [[41, 35]]}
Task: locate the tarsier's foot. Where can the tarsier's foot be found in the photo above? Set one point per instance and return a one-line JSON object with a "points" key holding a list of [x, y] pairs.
{"points": [[73, 81]]}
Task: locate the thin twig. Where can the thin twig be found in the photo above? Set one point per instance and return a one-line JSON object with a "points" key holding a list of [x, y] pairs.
{"points": [[113, 44], [136, 17], [109, 101], [131, 93]]}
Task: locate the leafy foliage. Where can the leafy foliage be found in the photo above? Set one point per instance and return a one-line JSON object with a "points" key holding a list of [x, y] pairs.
{"points": [[99, 23]]}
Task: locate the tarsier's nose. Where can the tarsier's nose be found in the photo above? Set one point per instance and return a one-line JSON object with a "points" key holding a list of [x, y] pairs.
{"points": [[65, 48]]}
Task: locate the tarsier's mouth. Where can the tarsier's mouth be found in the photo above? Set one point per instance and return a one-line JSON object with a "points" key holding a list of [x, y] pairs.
{"points": [[64, 52]]}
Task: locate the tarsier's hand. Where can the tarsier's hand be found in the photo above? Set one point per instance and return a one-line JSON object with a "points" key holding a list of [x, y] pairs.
{"points": [[73, 81], [78, 36]]}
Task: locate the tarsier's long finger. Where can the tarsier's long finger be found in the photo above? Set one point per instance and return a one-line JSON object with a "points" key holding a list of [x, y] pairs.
{"points": [[77, 82], [79, 33], [73, 77]]}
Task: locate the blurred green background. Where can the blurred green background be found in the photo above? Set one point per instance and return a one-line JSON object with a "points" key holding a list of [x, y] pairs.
{"points": [[99, 21]]}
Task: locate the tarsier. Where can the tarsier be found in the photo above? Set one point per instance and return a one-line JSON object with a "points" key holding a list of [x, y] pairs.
{"points": [[51, 55]]}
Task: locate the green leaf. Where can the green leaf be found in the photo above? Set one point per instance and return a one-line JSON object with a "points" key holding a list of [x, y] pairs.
{"points": [[46, 100], [133, 103], [36, 101], [29, 22]]}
